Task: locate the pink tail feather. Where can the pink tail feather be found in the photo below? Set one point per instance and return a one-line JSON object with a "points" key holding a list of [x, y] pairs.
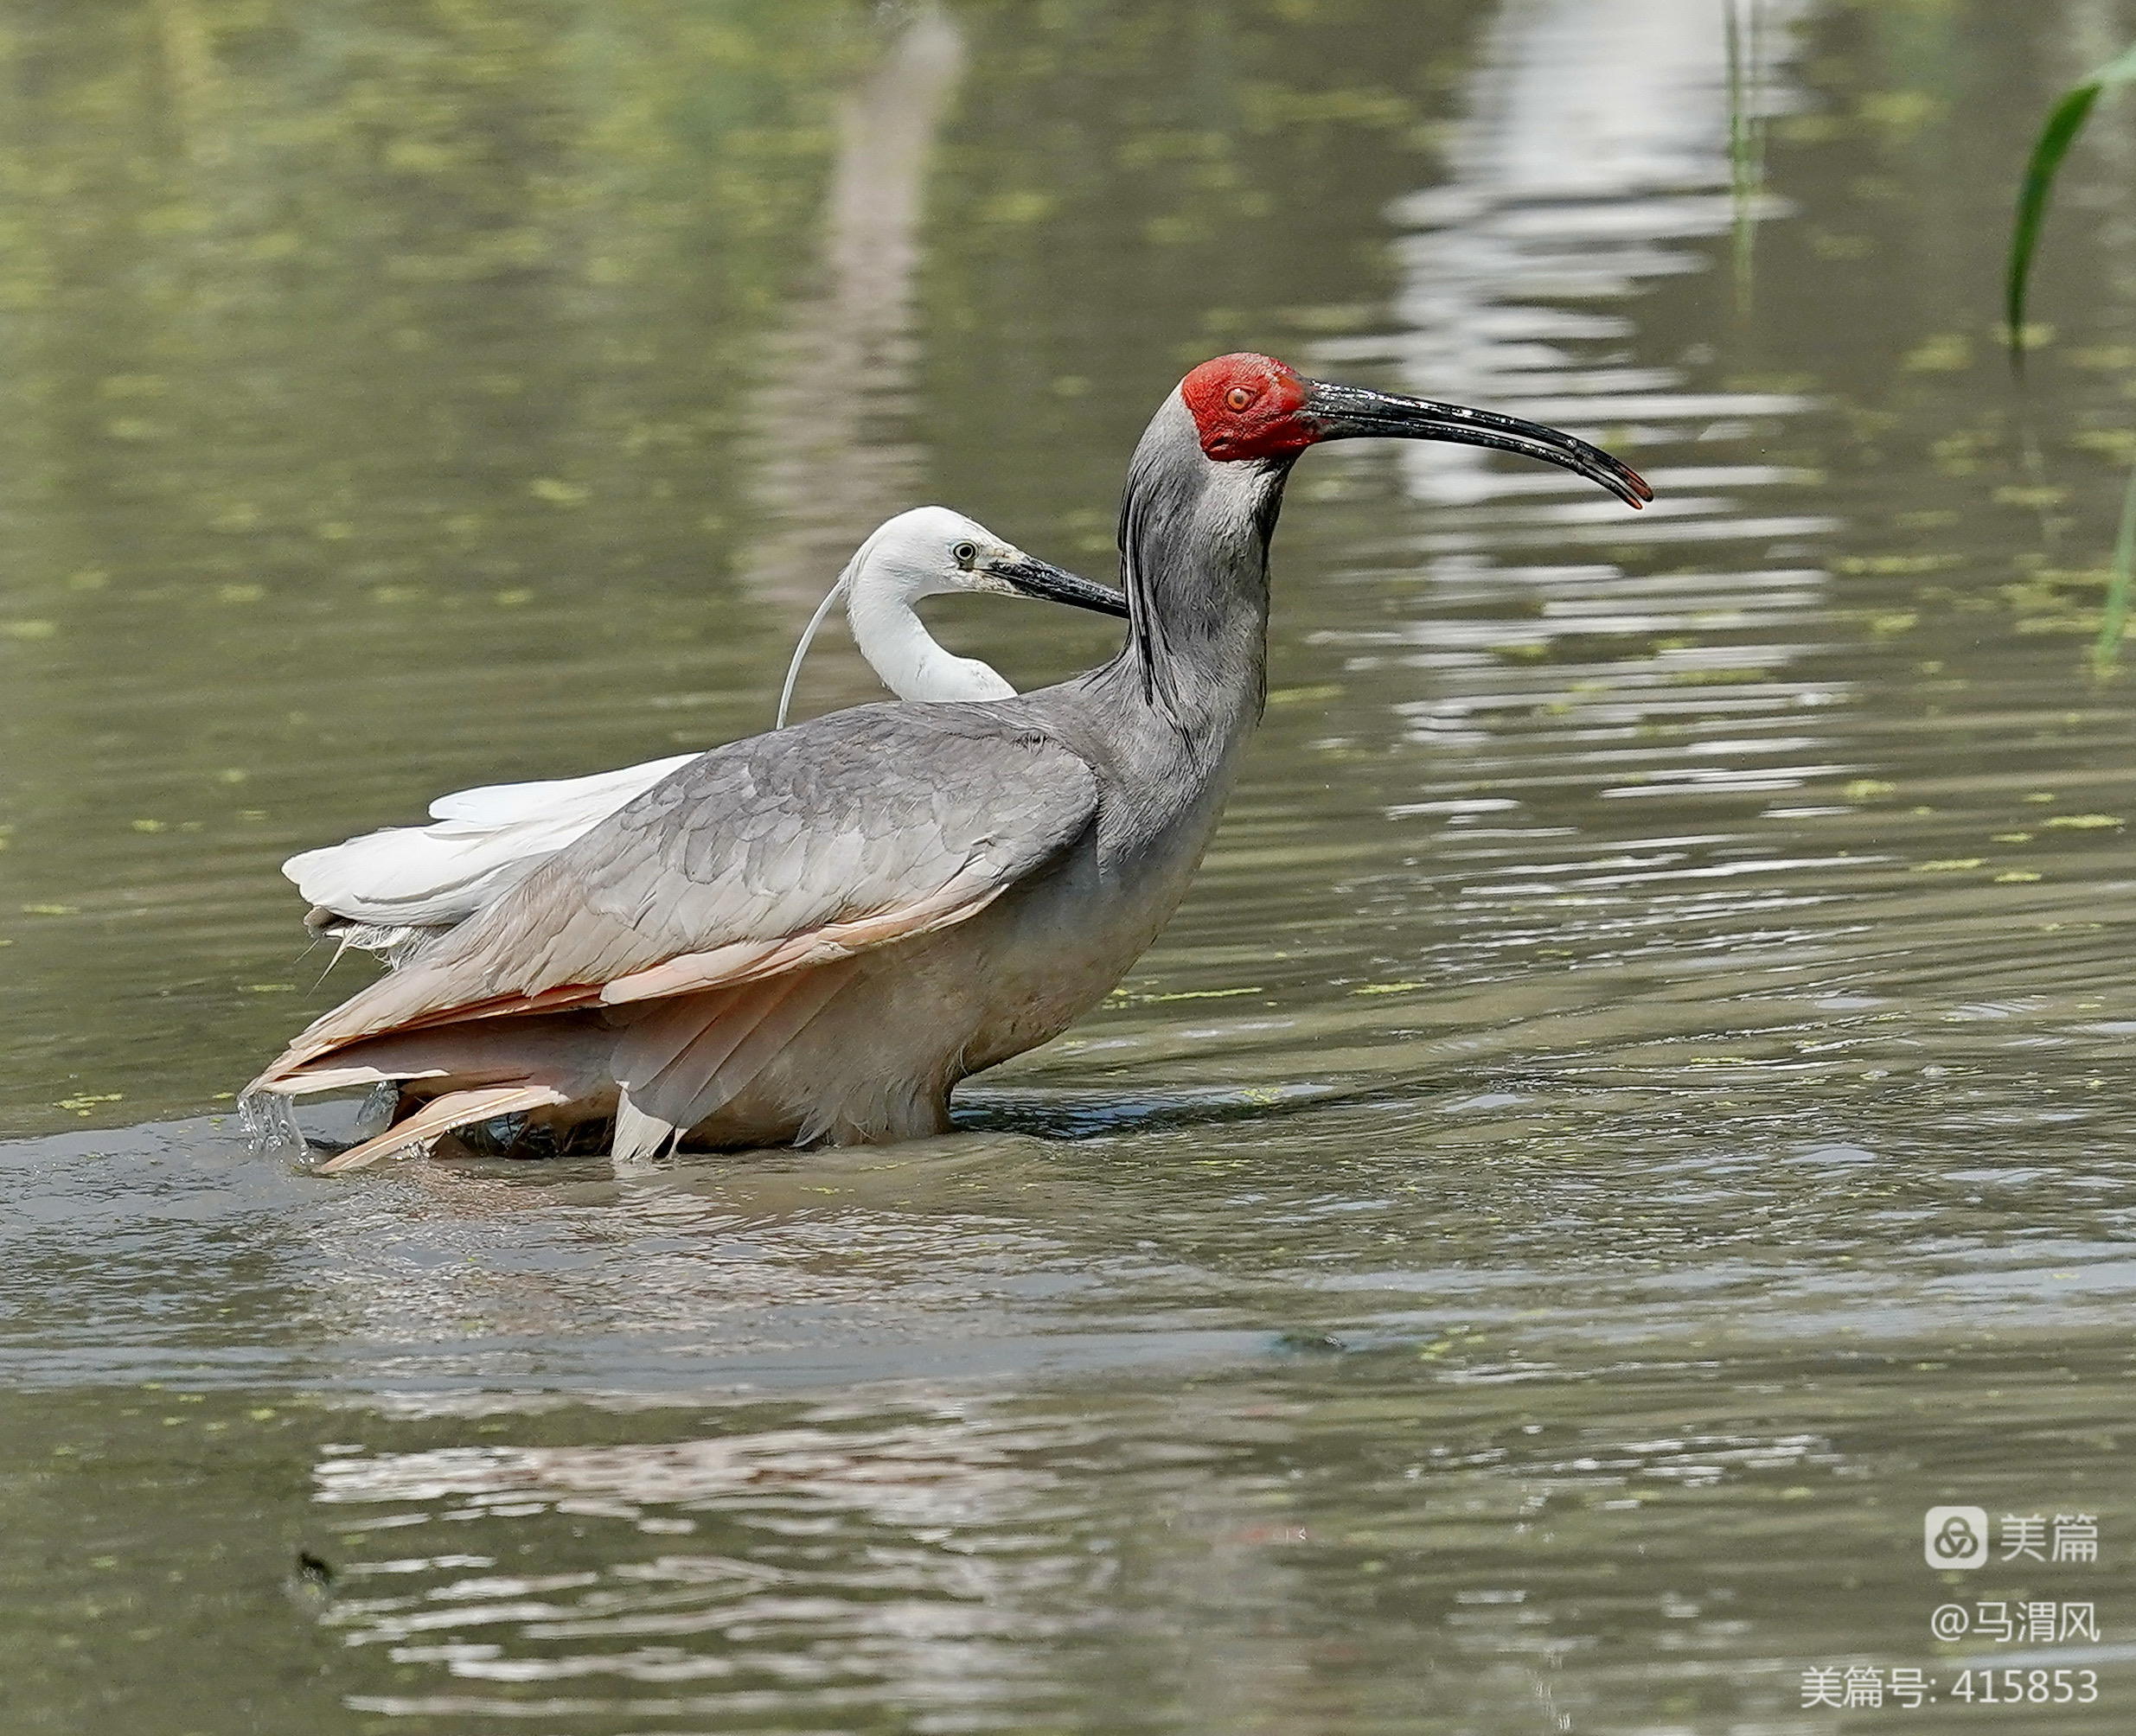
{"points": [[441, 1115]]}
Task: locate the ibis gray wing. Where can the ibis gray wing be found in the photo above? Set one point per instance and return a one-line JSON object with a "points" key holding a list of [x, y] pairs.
{"points": [[845, 832]]}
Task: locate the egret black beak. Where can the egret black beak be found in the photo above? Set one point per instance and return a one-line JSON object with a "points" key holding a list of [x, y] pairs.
{"points": [[1051, 584], [1349, 413]]}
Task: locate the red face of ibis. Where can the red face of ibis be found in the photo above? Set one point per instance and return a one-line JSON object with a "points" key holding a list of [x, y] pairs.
{"points": [[1248, 406]]}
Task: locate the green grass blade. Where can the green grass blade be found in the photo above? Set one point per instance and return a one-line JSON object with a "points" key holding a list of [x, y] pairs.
{"points": [[2064, 122], [2113, 621], [2053, 144]]}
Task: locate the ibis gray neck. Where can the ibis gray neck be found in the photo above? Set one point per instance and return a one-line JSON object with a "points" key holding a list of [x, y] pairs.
{"points": [[1195, 563]]}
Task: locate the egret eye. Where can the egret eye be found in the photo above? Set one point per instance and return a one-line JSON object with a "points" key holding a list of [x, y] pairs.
{"points": [[964, 554], [1239, 397]]}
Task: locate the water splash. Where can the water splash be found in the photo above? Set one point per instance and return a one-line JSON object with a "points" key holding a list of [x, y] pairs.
{"points": [[270, 1122]]}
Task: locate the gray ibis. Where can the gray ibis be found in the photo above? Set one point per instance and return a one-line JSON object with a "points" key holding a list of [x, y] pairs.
{"points": [[812, 936]]}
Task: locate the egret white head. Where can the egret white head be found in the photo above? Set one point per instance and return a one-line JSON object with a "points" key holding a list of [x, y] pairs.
{"points": [[929, 551]]}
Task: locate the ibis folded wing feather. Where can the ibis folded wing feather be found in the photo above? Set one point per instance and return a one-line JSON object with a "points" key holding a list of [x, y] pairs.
{"points": [[849, 832]]}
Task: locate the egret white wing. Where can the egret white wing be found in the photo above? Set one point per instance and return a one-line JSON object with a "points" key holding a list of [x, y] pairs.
{"points": [[483, 842], [508, 804]]}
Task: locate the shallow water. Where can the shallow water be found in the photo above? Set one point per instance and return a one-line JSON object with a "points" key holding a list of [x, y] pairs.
{"points": [[1633, 1113]]}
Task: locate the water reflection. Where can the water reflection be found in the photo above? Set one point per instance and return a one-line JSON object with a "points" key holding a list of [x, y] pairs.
{"points": [[1331, 1551], [1595, 147], [758, 1601], [831, 459]]}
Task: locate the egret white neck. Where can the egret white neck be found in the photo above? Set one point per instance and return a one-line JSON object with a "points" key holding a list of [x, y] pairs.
{"points": [[897, 644]]}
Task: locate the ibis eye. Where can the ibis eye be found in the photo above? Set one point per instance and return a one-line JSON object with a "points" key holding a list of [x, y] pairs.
{"points": [[964, 554], [1239, 397]]}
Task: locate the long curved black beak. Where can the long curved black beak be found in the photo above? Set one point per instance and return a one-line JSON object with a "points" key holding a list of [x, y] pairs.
{"points": [[1349, 413], [1051, 584]]}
